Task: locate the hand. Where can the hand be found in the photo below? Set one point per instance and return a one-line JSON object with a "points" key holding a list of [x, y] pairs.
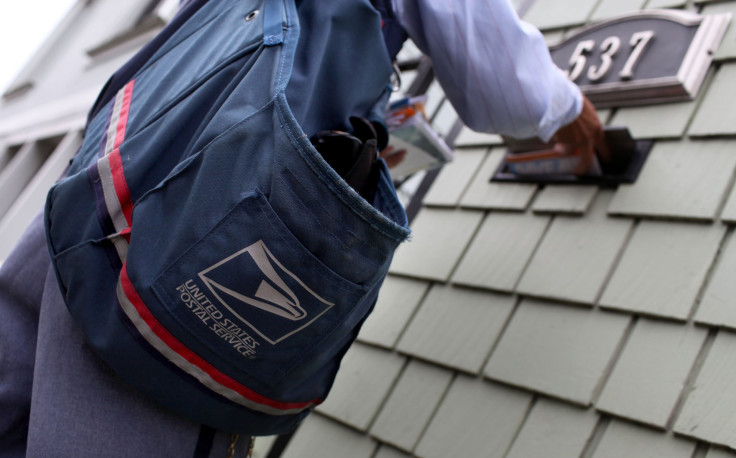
{"points": [[392, 157], [585, 133]]}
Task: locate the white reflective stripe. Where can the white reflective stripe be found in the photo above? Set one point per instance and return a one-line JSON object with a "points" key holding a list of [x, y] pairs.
{"points": [[179, 361], [112, 129], [121, 245], [111, 198]]}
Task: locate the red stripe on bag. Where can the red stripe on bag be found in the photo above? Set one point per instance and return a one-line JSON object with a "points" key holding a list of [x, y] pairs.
{"points": [[198, 362], [124, 112], [121, 185], [125, 233]]}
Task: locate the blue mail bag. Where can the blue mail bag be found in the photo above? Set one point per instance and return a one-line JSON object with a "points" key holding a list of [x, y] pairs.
{"points": [[212, 257]]}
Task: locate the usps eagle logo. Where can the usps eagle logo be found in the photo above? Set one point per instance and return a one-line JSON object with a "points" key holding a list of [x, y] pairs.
{"points": [[261, 293]]}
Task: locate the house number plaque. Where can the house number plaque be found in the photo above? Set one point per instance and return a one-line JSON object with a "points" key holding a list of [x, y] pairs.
{"points": [[642, 58]]}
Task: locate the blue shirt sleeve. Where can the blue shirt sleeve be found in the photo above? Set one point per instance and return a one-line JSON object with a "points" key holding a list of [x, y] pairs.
{"points": [[494, 68]]}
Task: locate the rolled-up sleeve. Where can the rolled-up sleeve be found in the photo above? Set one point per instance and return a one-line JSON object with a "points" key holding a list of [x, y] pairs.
{"points": [[494, 68]]}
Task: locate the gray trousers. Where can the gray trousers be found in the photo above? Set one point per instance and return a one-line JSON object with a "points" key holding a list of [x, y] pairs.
{"points": [[57, 398]]}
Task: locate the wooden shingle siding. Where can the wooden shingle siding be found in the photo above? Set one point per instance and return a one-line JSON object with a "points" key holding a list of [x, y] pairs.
{"points": [[626, 440], [663, 268], [652, 371], [565, 199], [387, 451], [435, 99], [715, 117], [444, 119], [652, 4], [610, 8], [365, 380], [500, 251], [709, 412], [476, 418], [686, 179], [718, 306], [397, 302], [727, 50], [729, 210], [454, 177], [558, 350], [715, 452], [309, 441], [484, 194], [456, 327], [438, 241], [656, 121], [411, 405], [565, 13], [576, 256], [554, 430]]}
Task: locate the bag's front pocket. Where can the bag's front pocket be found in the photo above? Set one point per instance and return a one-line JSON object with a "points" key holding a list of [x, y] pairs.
{"points": [[251, 298]]}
